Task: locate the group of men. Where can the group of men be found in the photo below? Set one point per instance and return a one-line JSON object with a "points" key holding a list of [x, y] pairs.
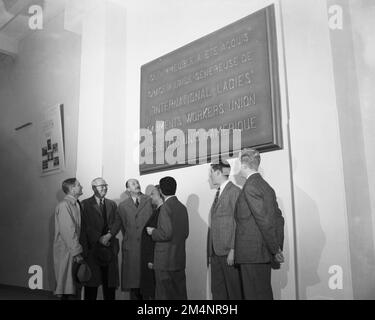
{"points": [[245, 238], [246, 233]]}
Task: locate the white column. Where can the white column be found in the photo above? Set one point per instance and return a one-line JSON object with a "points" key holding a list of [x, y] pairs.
{"points": [[317, 163], [101, 96], [90, 120]]}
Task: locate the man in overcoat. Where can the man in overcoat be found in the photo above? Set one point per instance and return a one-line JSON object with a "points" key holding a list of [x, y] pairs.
{"points": [[134, 212], [66, 246]]}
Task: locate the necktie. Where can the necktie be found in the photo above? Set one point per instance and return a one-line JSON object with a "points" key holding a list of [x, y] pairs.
{"points": [[136, 202], [216, 197], [104, 215]]}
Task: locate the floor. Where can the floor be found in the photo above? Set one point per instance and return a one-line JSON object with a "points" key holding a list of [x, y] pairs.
{"points": [[18, 293]]}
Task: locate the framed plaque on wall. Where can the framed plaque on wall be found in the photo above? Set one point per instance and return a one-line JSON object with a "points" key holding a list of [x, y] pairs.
{"points": [[224, 81]]}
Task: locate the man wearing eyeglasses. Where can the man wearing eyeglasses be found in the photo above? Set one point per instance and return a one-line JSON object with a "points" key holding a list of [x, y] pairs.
{"points": [[100, 245]]}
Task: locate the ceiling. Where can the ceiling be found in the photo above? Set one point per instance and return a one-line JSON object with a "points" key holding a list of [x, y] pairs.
{"points": [[14, 20]]}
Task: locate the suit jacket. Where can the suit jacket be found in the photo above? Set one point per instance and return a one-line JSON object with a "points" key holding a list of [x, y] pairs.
{"points": [[259, 222], [133, 220], [170, 236], [221, 233], [92, 230]]}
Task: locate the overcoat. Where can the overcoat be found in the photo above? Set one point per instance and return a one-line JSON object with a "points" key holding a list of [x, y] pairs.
{"points": [[66, 243], [133, 220]]}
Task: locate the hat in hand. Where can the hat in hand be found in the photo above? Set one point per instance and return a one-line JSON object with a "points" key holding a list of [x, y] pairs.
{"points": [[81, 272]]}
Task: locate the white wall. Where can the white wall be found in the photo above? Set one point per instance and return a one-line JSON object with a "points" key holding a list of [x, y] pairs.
{"points": [[313, 188], [307, 174], [317, 182], [322, 234], [45, 72]]}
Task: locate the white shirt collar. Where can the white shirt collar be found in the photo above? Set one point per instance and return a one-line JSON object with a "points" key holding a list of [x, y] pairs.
{"points": [[222, 186], [98, 200], [159, 206], [167, 197], [251, 175]]}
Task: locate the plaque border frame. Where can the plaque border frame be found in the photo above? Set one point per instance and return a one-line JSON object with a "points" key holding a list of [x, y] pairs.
{"points": [[273, 61]]}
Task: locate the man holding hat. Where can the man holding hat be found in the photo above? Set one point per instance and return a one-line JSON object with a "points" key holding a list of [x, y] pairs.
{"points": [[98, 237], [67, 251]]}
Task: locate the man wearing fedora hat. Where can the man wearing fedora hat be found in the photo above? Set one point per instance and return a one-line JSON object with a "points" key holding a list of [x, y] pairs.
{"points": [[98, 237]]}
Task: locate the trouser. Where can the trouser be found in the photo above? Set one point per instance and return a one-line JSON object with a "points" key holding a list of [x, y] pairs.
{"points": [[76, 296], [135, 294], [225, 280], [64, 297], [170, 285], [256, 281], [109, 293]]}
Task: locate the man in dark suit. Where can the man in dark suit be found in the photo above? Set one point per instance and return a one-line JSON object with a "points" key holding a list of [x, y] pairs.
{"points": [[100, 244], [259, 230], [225, 276], [170, 237], [134, 212]]}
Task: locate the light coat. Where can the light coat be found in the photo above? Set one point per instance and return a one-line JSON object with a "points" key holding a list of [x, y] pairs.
{"points": [[133, 220], [66, 243]]}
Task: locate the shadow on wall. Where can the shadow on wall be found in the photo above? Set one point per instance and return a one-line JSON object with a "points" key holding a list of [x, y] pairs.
{"points": [[310, 243], [280, 276], [196, 251]]}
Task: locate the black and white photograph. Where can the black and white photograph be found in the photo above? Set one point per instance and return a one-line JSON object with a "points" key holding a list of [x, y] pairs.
{"points": [[49, 145], [55, 147], [211, 152]]}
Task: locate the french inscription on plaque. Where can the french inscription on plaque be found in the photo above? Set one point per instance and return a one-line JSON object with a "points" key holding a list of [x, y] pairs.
{"points": [[225, 80]]}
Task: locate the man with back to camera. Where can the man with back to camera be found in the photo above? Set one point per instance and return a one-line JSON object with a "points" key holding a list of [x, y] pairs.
{"points": [[259, 230], [134, 212], [98, 237], [225, 275], [66, 246], [170, 237]]}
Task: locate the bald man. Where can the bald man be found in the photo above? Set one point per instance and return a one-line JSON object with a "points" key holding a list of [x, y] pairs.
{"points": [[134, 212], [100, 222]]}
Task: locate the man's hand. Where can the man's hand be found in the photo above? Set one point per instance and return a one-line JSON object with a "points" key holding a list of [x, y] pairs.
{"points": [[149, 230], [150, 265], [78, 259], [104, 240], [230, 258], [279, 257]]}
